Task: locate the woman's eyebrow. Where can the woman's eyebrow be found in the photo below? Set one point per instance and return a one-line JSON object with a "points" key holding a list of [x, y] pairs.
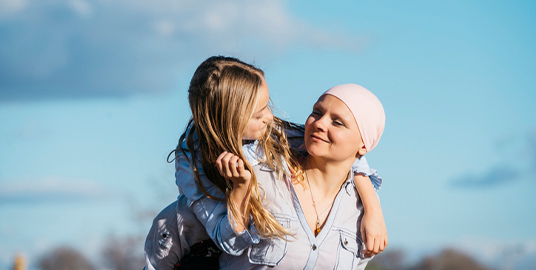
{"points": [[317, 107], [341, 116]]}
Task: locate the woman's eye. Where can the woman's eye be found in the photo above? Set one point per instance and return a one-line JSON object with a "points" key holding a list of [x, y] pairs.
{"points": [[338, 123]]}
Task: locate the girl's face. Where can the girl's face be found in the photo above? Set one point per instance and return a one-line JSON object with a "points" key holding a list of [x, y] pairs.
{"points": [[331, 131], [261, 115]]}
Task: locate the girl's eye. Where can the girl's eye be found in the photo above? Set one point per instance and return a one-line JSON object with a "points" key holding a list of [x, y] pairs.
{"points": [[261, 114], [257, 116]]}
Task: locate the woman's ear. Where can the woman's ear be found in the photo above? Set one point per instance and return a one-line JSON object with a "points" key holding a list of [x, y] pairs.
{"points": [[362, 151]]}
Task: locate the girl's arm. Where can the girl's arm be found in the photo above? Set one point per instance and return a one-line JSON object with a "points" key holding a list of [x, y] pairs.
{"points": [[231, 167], [373, 229], [212, 213]]}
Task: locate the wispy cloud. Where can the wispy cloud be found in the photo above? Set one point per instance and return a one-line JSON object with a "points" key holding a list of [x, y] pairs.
{"points": [[524, 156], [80, 48], [496, 175], [49, 189]]}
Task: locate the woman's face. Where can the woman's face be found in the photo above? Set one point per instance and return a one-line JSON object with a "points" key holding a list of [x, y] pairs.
{"points": [[331, 131], [261, 115]]}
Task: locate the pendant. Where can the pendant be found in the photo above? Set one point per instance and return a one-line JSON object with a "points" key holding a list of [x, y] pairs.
{"points": [[318, 228]]}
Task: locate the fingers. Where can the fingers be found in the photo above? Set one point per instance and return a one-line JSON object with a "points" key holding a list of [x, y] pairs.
{"points": [[369, 247], [230, 162], [374, 234], [382, 246], [374, 245], [226, 164], [240, 167], [219, 164], [369, 243], [376, 248], [230, 165]]}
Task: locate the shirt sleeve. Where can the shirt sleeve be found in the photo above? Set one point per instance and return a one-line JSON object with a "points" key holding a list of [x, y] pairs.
{"points": [[211, 213], [361, 166]]}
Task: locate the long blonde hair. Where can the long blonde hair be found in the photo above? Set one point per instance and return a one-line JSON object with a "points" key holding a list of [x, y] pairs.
{"points": [[223, 93]]}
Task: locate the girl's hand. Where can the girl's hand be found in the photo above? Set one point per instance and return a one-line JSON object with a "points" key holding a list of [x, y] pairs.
{"points": [[232, 167], [373, 228], [374, 232]]}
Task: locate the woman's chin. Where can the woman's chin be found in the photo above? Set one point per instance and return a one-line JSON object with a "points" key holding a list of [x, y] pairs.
{"points": [[314, 151]]}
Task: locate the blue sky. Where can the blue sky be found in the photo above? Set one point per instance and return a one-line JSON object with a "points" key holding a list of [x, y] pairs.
{"points": [[93, 98]]}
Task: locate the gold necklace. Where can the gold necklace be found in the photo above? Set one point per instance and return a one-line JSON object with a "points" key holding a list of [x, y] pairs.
{"points": [[317, 224], [318, 228]]}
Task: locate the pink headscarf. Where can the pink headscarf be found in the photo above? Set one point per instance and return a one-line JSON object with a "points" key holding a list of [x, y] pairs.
{"points": [[366, 108]]}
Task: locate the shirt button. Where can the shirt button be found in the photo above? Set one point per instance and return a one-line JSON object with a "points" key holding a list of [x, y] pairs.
{"points": [[314, 247]]}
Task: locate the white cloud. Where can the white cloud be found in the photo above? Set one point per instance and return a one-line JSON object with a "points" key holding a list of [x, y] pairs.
{"points": [[77, 48], [81, 7], [32, 129], [50, 188], [11, 7], [165, 28]]}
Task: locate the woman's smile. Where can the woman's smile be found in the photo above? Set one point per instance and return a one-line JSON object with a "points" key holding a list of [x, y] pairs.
{"points": [[319, 138]]}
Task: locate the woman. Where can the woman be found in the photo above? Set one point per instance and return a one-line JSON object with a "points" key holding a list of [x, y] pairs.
{"points": [[347, 122]]}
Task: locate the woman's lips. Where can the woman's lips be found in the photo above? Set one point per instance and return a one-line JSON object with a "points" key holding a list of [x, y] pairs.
{"points": [[318, 138]]}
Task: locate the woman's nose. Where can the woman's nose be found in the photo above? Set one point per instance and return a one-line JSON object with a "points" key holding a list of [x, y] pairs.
{"points": [[320, 123]]}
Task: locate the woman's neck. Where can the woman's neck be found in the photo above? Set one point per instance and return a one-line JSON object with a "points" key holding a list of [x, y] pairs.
{"points": [[326, 176]]}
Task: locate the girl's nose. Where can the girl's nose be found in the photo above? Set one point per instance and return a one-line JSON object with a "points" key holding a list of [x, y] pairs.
{"points": [[268, 116]]}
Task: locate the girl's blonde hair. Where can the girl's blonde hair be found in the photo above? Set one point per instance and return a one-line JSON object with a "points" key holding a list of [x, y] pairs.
{"points": [[222, 95]]}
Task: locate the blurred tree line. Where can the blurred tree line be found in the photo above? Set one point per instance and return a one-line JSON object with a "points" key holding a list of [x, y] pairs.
{"points": [[125, 254], [117, 254], [447, 259]]}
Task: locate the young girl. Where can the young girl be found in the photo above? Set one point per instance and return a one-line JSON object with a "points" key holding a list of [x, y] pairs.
{"points": [[229, 102]]}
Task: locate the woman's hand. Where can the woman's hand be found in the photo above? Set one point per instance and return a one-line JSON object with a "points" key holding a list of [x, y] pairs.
{"points": [[232, 167]]}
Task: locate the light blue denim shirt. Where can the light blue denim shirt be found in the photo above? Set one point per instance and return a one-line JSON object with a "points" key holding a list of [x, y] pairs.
{"points": [[174, 230], [337, 246], [213, 214]]}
